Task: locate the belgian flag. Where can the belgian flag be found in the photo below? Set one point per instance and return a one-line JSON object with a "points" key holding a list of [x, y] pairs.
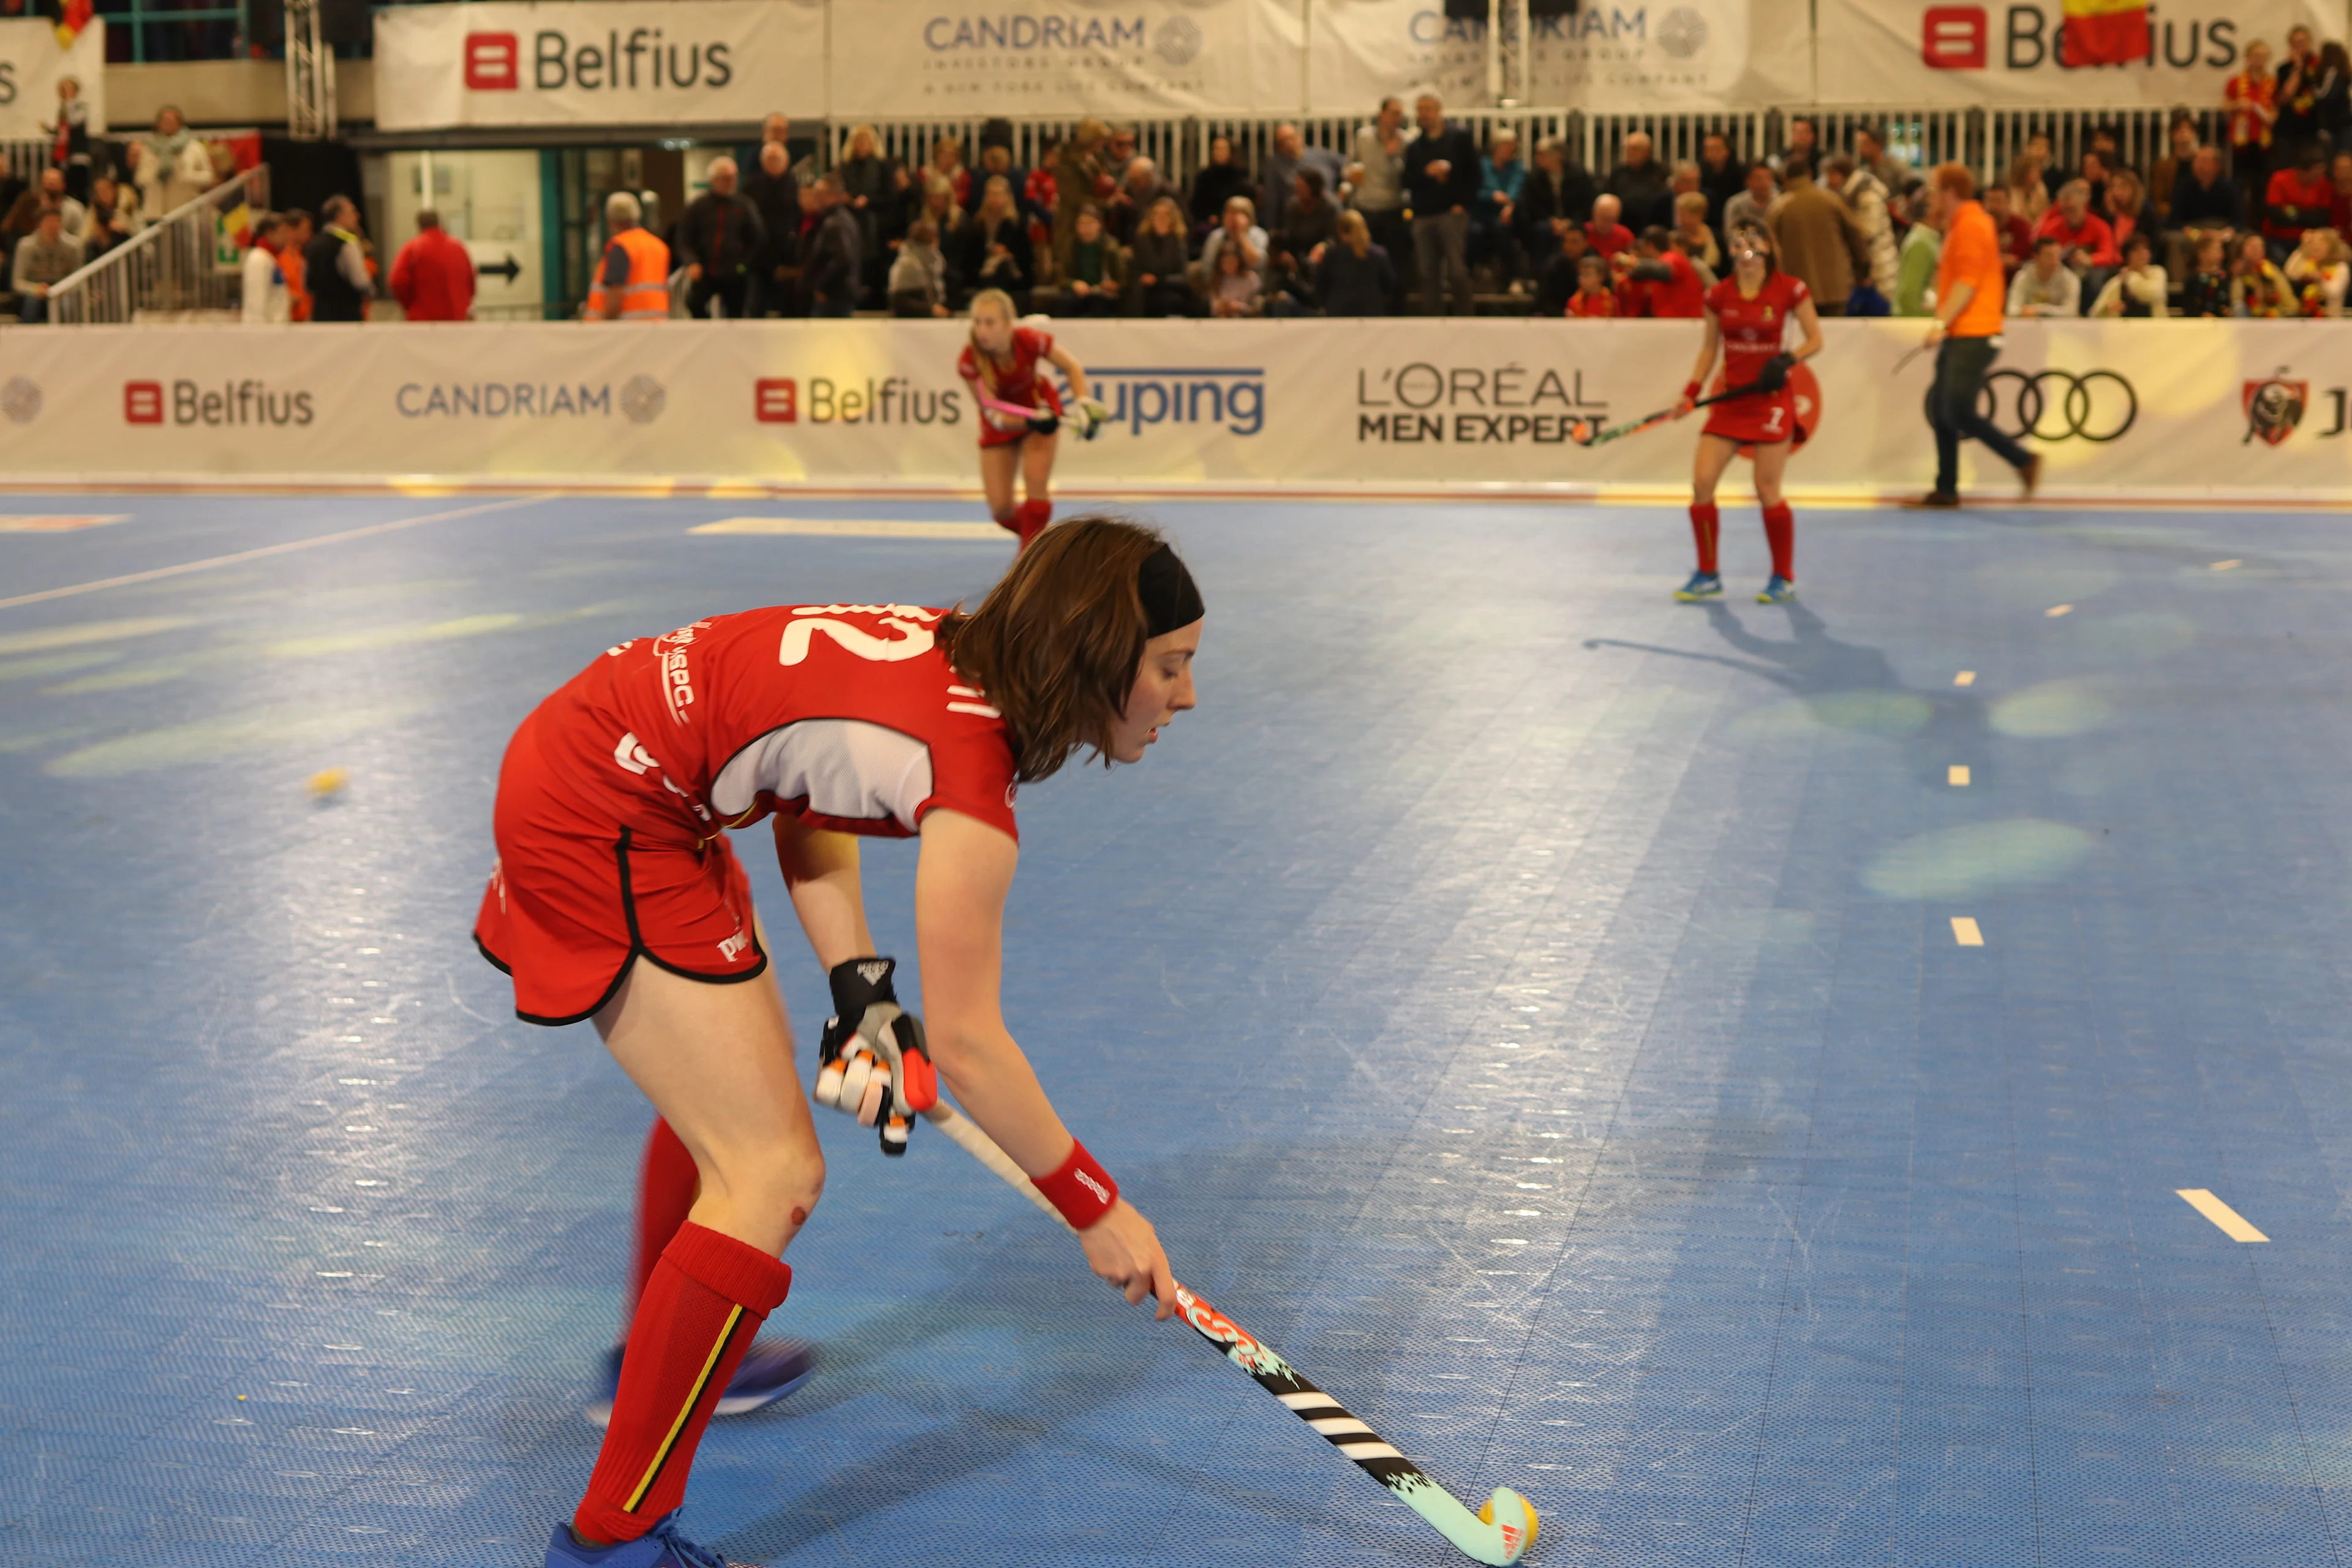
{"points": [[2103, 33]]}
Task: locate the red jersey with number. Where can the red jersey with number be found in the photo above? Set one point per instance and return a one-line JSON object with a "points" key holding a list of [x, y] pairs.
{"points": [[615, 792], [1754, 330], [845, 714], [1017, 384]]}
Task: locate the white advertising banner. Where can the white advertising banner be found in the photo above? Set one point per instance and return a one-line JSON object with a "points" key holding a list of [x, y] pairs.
{"points": [[606, 62], [1611, 58], [1949, 55], [2188, 409], [30, 64], [913, 59]]}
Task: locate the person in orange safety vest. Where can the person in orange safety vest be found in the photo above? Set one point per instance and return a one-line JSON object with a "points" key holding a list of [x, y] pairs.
{"points": [[633, 279]]}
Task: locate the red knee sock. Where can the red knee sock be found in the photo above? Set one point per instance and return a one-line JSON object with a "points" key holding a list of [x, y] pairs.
{"points": [[704, 1303], [1706, 525], [1781, 534], [667, 1189], [1035, 516]]}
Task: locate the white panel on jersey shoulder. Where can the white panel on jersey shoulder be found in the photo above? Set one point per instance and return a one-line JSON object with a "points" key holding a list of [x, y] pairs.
{"points": [[842, 767]]}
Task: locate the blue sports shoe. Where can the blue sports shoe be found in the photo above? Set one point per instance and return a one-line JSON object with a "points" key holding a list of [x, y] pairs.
{"points": [[660, 1547], [1778, 590], [772, 1369], [1702, 586]]}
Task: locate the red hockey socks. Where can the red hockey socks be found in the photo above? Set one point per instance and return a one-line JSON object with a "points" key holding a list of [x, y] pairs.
{"points": [[1781, 534], [1706, 523], [1035, 516], [701, 1307], [667, 1188]]}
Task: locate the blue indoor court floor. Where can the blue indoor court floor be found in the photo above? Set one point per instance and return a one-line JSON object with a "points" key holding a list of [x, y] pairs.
{"points": [[1538, 1009]]}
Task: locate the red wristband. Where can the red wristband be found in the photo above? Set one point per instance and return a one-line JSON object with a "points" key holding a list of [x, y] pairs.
{"points": [[1691, 390], [1081, 1189]]}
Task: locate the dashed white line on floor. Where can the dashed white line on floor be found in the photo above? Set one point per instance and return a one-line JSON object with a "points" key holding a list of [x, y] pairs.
{"points": [[1957, 775], [2232, 1223], [1965, 931]]}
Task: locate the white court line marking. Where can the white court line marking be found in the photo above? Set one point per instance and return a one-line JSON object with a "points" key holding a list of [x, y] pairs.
{"points": [[1965, 677], [2232, 1223], [2227, 565], [55, 522], [292, 544], [1965, 933], [2054, 611], [1957, 775], [854, 528]]}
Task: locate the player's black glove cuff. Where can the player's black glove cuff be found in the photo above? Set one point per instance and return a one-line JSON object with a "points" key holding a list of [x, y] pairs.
{"points": [[872, 1061], [859, 984], [1775, 374]]}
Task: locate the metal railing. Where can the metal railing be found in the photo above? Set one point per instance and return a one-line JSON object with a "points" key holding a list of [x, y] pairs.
{"points": [[1986, 139], [175, 268]]}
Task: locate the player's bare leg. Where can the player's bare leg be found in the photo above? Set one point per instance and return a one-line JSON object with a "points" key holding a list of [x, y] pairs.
{"points": [[1000, 466], [1714, 454], [1037, 453], [1780, 523], [716, 1062]]}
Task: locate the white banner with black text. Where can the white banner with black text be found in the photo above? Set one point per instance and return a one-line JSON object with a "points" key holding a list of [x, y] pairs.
{"points": [[1949, 55], [2156, 409], [614, 62]]}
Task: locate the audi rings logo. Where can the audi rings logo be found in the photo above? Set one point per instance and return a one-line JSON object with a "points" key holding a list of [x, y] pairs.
{"points": [[2098, 405]]}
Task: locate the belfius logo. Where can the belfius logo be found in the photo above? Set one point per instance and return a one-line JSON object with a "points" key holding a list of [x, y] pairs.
{"points": [[618, 62], [232, 403]]}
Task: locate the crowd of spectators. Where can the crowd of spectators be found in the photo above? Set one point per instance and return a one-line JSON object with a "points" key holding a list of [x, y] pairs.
{"points": [[1415, 215]]}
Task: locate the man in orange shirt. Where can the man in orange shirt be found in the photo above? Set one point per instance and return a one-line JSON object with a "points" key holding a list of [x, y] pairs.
{"points": [[1971, 288], [294, 232]]}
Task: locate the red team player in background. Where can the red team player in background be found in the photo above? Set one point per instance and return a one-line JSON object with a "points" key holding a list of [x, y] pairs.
{"points": [[616, 898], [1747, 315], [1019, 433]]}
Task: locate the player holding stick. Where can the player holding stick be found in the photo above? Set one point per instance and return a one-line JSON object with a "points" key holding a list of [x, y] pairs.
{"points": [[1971, 293], [1020, 411], [1748, 317], [616, 898]]}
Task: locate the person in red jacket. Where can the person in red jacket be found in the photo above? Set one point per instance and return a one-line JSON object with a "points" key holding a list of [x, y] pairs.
{"points": [[2298, 198], [432, 275], [2077, 227], [1660, 278]]}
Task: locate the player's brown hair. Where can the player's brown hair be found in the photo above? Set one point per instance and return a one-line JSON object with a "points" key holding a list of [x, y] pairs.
{"points": [[1058, 642], [1956, 179]]}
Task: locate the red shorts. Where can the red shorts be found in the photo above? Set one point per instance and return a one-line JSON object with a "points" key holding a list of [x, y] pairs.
{"points": [[1048, 397], [1761, 418], [580, 893]]}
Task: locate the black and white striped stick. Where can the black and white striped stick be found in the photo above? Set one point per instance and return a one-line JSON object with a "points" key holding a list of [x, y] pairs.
{"points": [[1498, 1533]]}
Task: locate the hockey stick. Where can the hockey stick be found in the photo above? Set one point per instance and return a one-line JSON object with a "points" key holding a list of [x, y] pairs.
{"points": [[1584, 434], [1045, 421], [1499, 1533], [1904, 364]]}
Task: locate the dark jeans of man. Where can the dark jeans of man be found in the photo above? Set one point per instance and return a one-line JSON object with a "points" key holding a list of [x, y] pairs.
{"points": [[838, 309], [1441, 254], [33, 309], [1393, 234], [733, 294], [1955, 410]]}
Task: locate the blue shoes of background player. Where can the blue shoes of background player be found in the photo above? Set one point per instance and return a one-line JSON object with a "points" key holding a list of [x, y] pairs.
{"points": [[772, 1369], [660, 1547], [1702, 586]]}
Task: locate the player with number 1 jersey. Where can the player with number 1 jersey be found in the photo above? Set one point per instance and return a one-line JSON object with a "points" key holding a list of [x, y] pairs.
{"points": [[1747, 318]]}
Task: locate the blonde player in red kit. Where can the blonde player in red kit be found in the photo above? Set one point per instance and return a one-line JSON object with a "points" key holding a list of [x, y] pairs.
{"points": [[1748, 317], [1021, 411], [616, 898]]}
